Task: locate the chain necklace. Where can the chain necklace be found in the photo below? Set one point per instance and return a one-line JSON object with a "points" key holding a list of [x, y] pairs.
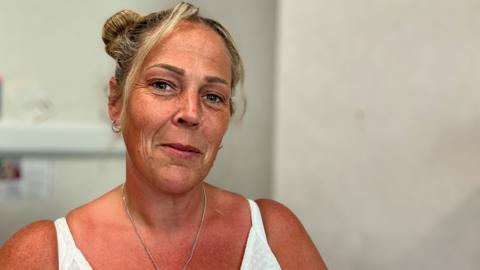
{"points": [[150, 256]]}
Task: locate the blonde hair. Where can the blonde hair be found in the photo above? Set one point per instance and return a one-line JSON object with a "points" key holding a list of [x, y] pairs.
{"points": [[129, 37]]}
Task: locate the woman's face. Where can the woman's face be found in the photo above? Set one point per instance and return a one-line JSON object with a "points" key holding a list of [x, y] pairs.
{"points": [[178, 109]]}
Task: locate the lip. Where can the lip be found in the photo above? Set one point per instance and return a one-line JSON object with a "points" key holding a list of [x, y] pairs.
{"points": [[182, 150]]}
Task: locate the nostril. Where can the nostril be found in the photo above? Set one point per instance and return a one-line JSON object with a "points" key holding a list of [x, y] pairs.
{"points": [[186, 122]]}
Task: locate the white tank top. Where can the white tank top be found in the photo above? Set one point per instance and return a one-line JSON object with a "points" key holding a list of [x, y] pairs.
{"points": [[258, 254]]}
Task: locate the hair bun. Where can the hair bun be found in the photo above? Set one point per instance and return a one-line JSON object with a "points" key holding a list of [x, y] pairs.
{"points": [[117, 26]]}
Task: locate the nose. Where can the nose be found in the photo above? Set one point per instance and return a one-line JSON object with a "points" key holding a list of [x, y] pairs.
{"points": [[189, 111]]}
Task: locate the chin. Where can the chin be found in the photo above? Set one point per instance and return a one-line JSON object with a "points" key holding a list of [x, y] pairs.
{"points": [[177, 180]]}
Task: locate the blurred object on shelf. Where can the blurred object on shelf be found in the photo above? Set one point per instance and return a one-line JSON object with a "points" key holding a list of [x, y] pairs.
{"points": [[25, 178], [9, 169]]}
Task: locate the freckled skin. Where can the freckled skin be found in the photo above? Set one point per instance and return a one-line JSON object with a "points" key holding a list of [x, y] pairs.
{"points": [[180, 97], [182, 116]]}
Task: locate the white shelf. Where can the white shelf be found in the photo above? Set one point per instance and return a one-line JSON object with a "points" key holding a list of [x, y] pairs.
{"points": [[59, 138]]}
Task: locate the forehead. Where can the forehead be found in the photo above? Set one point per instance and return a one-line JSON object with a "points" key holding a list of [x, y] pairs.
{"points": [[192, 45]]}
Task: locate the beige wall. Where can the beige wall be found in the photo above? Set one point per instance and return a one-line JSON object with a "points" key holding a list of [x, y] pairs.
{"points": [[57, 43], [377, 130]]}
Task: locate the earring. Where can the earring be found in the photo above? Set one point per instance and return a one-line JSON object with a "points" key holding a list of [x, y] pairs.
{"points": [[116, 127]]}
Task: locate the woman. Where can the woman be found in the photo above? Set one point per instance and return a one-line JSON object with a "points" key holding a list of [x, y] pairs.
{"points": [[171, 99]]}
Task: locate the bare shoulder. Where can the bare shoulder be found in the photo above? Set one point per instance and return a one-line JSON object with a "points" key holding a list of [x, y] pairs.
{"points": [[227, 201], [102, 208], [287, 237], [32, 247]]}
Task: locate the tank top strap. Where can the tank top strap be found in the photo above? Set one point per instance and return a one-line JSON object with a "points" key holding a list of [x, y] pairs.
{"points": [[65, 242], [257, 222], [69, 256], [258, 254]]}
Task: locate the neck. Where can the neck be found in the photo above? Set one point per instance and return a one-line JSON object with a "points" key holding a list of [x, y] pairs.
{"points": [[162, 211]]}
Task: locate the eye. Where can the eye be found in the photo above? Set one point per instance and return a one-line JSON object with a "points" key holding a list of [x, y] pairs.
{"points": [[162, 86], [213, 98]]}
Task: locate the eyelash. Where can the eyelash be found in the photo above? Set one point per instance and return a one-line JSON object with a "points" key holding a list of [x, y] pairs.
{"points": [[156, 86], [160, 85], [219, 99]]}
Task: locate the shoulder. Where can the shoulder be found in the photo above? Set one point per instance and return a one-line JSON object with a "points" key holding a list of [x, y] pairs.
{"points": [[226, 201], [228, 206], [104, 209], [287, 237], [32, 247], [280, 223]]}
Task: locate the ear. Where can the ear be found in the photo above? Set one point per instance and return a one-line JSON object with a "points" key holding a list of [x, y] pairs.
{"points": [[114, 100]]}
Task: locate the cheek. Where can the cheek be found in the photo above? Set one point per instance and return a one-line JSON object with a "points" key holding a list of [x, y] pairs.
{"points": [[215, 135], [216, 131], [141, 123], [147, 114]]}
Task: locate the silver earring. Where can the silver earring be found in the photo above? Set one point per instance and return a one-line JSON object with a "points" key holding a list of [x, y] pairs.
{"points": [[116, 127]]}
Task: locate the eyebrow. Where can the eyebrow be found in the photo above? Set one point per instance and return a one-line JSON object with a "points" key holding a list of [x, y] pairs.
{"points": [[171, 68], [214, 79], [181, 72]]}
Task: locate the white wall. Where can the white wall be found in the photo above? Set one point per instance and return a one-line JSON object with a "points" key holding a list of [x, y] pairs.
{"points": [[377, 127], [56, 44], [376, 118]]}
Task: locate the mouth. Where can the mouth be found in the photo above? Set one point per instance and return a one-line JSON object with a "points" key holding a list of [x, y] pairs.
{"points": [[182, 150]]}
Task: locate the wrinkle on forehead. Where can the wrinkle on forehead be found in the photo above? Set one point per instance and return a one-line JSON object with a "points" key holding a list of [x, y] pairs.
{"points": [[194, 42]]}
